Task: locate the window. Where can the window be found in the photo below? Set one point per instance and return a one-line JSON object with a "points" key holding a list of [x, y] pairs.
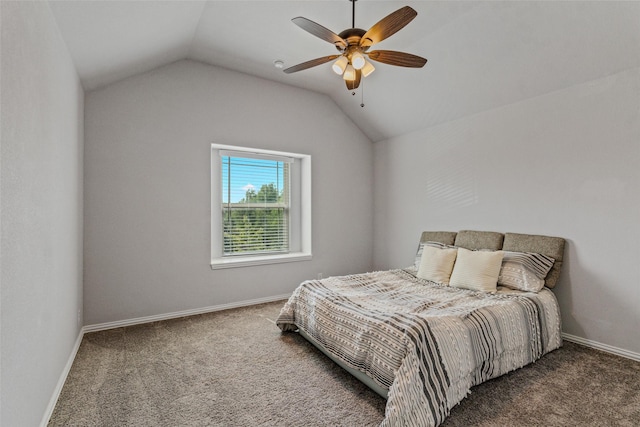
{"points": [[255, 218], [260, 207]]}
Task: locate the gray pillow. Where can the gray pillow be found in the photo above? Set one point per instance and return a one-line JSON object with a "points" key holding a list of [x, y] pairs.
{"points": [[524, 271], [546, 245]]}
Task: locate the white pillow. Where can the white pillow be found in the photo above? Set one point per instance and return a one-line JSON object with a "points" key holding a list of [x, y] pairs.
{"points": [[436, 264], [433, 244], [477, 270]]}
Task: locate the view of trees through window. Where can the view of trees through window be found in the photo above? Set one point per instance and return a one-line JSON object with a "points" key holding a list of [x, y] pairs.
{"points": [[258, 221]]}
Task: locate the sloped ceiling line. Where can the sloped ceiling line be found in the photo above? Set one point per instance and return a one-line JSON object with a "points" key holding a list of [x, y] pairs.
{"points": [[482, 55]]}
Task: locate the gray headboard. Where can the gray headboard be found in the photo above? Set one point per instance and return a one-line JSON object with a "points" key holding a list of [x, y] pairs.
{"points": [[516, 242]]}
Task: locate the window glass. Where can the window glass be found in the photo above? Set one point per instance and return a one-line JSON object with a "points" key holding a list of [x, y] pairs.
{"points": [[255, 205]]}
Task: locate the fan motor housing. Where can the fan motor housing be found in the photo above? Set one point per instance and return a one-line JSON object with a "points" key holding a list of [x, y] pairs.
{"points": [[352, 36]]}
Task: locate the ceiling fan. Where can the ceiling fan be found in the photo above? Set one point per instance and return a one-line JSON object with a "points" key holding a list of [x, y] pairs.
{"points": [[354, 43]]}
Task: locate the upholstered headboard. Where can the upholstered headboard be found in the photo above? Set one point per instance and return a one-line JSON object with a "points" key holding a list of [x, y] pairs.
{"points": [[516, 242]]}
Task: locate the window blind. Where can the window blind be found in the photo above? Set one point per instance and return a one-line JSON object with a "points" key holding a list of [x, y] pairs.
{"points": [[255, 203]]}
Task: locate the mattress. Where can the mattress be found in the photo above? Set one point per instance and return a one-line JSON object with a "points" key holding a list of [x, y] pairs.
{"points": [[427, 344]]}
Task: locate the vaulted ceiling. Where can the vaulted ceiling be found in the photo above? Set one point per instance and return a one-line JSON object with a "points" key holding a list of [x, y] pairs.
{"points": [[482, 55]]}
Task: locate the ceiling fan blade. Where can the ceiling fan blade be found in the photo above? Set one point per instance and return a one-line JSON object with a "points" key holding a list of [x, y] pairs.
{"points": [[309, 64], [320, 31], [388, 26], [353, 84], [400, 59]]}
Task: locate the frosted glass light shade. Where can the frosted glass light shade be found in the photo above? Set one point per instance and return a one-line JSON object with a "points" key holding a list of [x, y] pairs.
{"points": [[368, 68], [357, 60], [349, 73], [339, 66]]}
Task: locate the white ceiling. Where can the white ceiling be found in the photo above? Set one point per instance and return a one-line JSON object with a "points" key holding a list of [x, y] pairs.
{"points": [[482, 55]]}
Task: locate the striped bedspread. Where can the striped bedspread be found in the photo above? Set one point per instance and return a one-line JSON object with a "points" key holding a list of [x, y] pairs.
{"points": [[427, 343]]}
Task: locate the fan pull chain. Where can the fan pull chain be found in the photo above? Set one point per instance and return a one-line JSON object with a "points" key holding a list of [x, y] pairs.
{"points": [[362, 94]]}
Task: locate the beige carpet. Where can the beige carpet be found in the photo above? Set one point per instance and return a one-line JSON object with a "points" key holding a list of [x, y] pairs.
{"points": [[235, 368]]}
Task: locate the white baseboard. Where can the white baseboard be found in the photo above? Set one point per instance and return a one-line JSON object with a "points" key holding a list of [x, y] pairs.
{"points": [[604, 347], [184, 313], [63, 378]]}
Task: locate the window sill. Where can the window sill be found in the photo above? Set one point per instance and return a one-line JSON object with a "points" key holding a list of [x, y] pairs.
{"points": [[234, 262]]}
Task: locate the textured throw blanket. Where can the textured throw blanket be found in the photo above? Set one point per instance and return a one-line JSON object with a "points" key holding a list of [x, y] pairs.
{"points": [[426, 343]]}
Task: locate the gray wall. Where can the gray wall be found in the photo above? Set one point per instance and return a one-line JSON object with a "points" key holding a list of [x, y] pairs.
{"points": [[41, 193], [147, 188], [562, 164]]}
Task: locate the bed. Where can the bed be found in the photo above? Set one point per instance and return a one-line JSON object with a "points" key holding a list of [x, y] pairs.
{"points": [[422, 339]]}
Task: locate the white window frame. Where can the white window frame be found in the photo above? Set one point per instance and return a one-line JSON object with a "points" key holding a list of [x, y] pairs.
{"points": [[300, 232]]}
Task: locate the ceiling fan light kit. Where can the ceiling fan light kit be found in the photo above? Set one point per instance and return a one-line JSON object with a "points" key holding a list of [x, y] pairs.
{"points": [[354, 43], [349, 73], [340, 65], [367, 69], [357, 60]]}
